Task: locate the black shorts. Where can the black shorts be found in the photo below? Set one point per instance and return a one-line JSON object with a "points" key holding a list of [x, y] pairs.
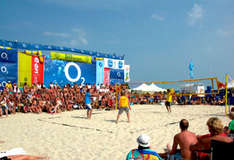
{"points": [[168, 103]]}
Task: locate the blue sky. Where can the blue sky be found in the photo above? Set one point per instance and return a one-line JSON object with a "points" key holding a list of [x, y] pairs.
{"points": [[157, 37]]}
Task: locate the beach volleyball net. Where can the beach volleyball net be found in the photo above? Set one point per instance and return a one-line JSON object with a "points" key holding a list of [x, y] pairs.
{"points": [[199, 87]]}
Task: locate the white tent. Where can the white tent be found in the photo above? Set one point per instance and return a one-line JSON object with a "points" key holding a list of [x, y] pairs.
{"points": [[231, 84], [154, 88], [142, 87], [149, 88]]}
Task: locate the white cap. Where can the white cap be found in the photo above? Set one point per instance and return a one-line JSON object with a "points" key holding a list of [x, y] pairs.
{"points": [[143, 140]]}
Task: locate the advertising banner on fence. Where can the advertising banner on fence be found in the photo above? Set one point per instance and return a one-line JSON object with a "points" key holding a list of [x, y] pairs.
{"points": [[126, 73], [116, 76], [8, 72], [106, 79], [8, 55], [70, 57], [113, 63], [64, 72], [99, 72], [8, 65], [37, 70], [24, 69]]}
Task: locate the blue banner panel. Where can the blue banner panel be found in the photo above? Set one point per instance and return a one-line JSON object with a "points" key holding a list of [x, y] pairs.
{"points": [[116, 81], [116, 76], [30, 46], [8, 55], [8, 72], [99, 72], [64, 72]]}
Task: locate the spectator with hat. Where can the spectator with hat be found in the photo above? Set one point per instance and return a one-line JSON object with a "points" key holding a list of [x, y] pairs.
{"points": [[143, 151]]}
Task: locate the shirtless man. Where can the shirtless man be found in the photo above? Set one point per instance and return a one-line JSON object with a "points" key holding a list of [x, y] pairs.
{"points": [[184, 139]]}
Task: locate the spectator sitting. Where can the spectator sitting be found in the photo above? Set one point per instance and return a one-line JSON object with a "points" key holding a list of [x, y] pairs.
{"points": [[143, 150], [1, 87], [230, 129], [4, 106], [184, 139], [9, 85], [215, 127]]}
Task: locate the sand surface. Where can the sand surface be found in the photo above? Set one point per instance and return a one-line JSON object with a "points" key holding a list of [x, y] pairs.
{"points": [[70, 136]]}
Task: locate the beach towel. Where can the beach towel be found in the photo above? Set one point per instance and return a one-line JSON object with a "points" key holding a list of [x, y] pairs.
{"points": [[176, 156], [145, 154], [12, 152]]}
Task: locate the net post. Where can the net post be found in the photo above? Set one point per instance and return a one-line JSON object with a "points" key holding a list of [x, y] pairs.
{"points": [[116, 98], [226, 95]]}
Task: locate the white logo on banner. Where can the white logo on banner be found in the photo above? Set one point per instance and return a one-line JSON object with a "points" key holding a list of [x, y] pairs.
{"points": [[4, 55], [66, 70], [4, 69], [36, 66], [4, 83]]}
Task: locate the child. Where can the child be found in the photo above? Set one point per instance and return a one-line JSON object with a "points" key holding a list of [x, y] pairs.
{"points": [[230, 129]]}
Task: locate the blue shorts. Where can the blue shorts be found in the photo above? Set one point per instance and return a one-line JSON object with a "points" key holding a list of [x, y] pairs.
{"points": [[88, 106], [5, 107]]}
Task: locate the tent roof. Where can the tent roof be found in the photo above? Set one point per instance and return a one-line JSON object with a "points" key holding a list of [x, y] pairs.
{"points": [[155, 88], [149, 88], [231, 84], [142, 87]]}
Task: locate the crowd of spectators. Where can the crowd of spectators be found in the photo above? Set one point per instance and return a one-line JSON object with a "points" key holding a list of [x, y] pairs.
{"points": [[53, 99], [179, 99], [189, 146]]}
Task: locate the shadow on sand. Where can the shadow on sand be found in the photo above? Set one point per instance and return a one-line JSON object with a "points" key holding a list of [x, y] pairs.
{"points": [[110, 120]]}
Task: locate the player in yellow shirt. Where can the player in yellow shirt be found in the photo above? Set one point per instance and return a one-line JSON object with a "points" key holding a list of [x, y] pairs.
{"points": [[124, 106], [169, 100]]}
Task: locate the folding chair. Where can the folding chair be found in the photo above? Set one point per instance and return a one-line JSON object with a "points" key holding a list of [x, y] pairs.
{"points": [[221, 150]]}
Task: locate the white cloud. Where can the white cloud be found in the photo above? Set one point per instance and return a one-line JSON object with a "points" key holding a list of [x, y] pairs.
{"points": [[80, 37], [54, 34], [195, 14], [77, 37], [157, 17], [225, 32]]}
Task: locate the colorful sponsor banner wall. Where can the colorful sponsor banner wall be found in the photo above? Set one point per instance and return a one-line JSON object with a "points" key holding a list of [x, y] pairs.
{"points": [[8, 55], [70, 57], [64, 72], [99, 72], [8, 72], [24, 69], [116, 76], [8, 65], [37, 70], [126, 73], [113, 63], [106, 79]]}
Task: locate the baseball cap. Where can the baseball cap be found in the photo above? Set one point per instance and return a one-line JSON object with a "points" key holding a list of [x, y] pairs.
{"points": [[143, 140]]}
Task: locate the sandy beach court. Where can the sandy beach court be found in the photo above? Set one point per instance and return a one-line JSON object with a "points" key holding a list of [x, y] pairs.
{"points": [[70, 136]]}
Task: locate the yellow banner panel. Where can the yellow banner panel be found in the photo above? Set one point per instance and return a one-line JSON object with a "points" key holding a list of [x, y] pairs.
{"points": [[70, 57], [24, 69]]}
